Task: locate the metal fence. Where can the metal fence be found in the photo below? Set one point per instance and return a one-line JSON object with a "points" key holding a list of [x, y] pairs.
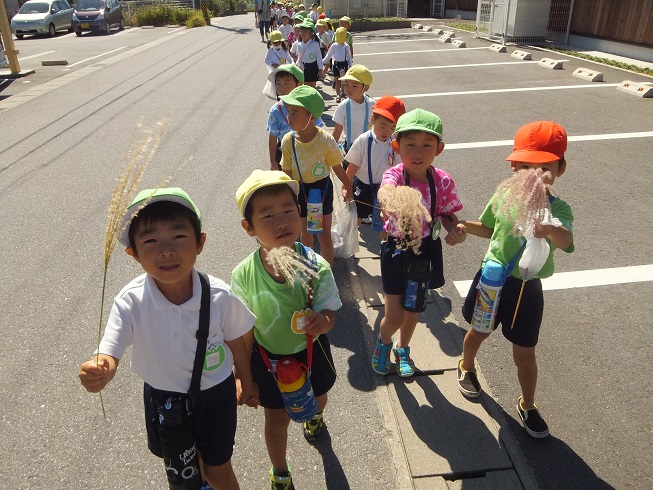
{"points": [[395, 8], [524, 21]]}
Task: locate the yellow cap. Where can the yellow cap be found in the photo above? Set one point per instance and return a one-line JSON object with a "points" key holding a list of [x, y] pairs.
{"points": [[345, 19], [276, 36], [358, 73], [321, 22], [258, 179], [341, 35]]}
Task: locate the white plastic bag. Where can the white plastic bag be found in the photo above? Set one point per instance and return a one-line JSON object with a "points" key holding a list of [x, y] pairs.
{"points": [[536, 251], [269, 90], [345, 232]]}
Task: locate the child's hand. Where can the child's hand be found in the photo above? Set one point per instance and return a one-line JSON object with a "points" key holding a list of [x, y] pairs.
{"points": [[542, 231], [95, 377], [346, 193], [457, 235], [247, 393], [316, 324]]}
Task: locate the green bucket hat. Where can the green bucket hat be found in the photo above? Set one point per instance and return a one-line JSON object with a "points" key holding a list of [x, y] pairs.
{"points": [[307, 24], [420, 120], [150, 196], [290, 68], [306, 97]]}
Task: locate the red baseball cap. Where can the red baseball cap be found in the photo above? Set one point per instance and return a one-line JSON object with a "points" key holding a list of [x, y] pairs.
{"points": [[389, 107], [539, 142]]}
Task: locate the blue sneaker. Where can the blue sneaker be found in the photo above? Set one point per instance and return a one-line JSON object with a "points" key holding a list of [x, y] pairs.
{"points": [[405, 365], [206, 486], [381, 357]]}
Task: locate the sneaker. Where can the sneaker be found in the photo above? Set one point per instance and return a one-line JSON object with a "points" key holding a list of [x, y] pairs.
{"points": [[468, 382], [338, 99], [206, 486], [282, 481], [367, 220], [381, 357], [532, 421], [313, 428], [405, 365]]}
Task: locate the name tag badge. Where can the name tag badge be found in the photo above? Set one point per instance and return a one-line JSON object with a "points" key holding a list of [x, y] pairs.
{"points": [[391, 159], [282, 61], [436, 227], [214, 357], [298, 320]]}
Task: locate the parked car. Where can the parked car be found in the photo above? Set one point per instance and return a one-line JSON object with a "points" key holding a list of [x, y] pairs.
{"points": [[42, 17], [97, 15]]}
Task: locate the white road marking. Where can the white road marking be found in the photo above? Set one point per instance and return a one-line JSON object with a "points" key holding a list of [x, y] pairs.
{"points": [[35, 55], [417, 51], [175, 30], [587, 137], [93, 57], [505, 90], [401, 41], [583, 279], [468, 65]]}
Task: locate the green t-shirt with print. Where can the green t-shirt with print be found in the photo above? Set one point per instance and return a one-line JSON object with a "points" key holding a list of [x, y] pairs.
{"points": [[504, 246], [279, 308]]}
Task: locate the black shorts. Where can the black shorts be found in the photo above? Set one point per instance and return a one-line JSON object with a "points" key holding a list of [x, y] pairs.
{"points": [[214, 420], [526, 330], [310, 72], [364, 198], [392, 264], [323, 376], [327, 198], [340, 68], [278, 154]]}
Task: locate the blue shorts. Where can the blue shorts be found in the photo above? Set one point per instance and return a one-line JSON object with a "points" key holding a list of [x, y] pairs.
{"points": [[214, 420], [393, 262], [526, 330]]}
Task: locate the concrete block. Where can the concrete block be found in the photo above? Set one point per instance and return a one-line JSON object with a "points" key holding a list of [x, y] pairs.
{"points": [[449, 33], [521, 55], [639, 89], [551, 64], [498, 48], [589, 75], [147, 27], [437, 32], [441, 428], [53, 62], [417, 26], [444, 39], [459, 43], [427, 28], [430, 483]]}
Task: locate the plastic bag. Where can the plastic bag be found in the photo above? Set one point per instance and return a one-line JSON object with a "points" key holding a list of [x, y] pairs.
{"points": [[345, 232], [536, 251], [256, 24], [269, 89]]}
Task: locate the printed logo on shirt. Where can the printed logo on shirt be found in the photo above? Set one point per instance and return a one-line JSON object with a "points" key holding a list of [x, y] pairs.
{"points": [[311, 56], [298, 320], [319, 170], [214, 358]]}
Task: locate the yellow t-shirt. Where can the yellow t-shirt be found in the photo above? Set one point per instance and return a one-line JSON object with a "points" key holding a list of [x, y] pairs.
{"points": [[315, 157]]}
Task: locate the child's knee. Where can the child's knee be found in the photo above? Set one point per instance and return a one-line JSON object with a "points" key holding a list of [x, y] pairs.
{"points": [[220, 475], [523, 356]]}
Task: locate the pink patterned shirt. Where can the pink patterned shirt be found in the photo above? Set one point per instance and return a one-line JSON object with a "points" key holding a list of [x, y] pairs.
{"points": [[447, 201]]}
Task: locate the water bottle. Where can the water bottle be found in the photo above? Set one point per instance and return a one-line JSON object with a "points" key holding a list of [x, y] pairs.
{"points": [[417, 274], [377, 222], [487, 299], [314, 211], [296, 390]]}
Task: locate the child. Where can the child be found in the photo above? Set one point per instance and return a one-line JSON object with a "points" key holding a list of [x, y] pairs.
{"points": [[419, 141], [313, 13], [285, 79], [309, 153], [538, 145], [286, 28], [267, 202], [323, 36], [372, 154], [354, 114], [277, 51], [309, 57], [341, 55], [158, 312], [346, 23]]}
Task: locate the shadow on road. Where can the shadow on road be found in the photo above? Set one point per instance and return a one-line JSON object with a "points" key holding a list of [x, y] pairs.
{"points": [[333, 473]]}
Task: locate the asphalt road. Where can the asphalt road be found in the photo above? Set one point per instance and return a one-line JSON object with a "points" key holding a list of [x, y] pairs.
{"points": [[59, 156]]}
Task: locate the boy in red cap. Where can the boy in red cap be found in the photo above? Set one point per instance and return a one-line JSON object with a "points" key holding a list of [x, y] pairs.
{"points": [[538, 145], [371, 154]]}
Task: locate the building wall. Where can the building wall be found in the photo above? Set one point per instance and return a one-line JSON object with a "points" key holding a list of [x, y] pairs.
{"points": [[626, 20]]}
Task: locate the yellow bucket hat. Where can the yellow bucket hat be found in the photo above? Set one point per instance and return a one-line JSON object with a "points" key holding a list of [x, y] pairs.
{"points": [[358, 73]]}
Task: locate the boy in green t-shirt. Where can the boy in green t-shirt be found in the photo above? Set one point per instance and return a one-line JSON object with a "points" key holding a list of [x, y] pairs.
{"points": [[267, 202], [541, 144]]}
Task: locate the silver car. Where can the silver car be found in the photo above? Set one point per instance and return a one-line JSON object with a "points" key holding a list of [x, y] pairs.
{"points": [[42, 17]]}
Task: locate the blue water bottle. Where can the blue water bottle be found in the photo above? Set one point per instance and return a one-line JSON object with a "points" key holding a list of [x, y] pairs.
{"points": [[487, 300], [314, 211], [377, 222]]}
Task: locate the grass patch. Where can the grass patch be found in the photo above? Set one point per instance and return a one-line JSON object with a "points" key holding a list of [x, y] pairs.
{"points": [[606, 61], [463, 26], [376, 19], [196, 19]]}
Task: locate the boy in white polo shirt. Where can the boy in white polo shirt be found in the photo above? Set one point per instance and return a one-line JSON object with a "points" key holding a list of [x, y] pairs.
{"points": [[158, 314]]}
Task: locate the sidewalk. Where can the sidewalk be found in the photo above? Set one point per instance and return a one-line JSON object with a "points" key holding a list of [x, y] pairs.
{"points": [[441, 439]]}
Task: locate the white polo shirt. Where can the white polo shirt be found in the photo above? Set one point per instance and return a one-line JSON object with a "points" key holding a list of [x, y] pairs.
{"points": [[358, 122], [383, 157], [163, 334]]}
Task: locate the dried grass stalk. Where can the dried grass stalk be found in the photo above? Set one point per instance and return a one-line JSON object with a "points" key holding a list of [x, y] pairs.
{"points": [[405, 203], [524, 199], [129, 176], [294, 267]]}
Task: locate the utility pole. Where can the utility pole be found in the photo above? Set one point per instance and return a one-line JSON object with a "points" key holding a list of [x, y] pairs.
{"points": [[7, 40]]}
